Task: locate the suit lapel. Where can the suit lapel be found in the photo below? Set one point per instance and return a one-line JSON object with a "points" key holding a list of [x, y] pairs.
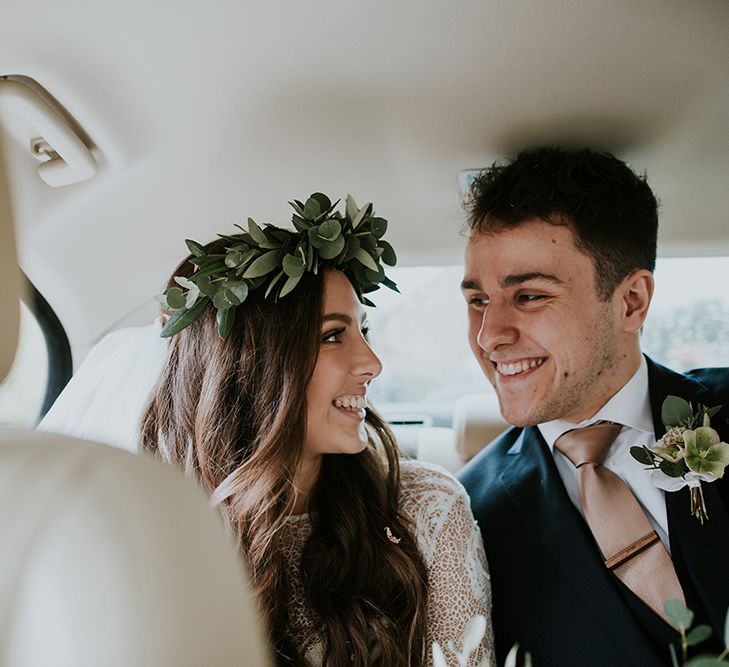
{"points": [[533, 484], [699, 552]]}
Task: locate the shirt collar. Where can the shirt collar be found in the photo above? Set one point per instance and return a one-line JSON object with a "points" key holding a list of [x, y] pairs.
{"points": [[630, 406]]}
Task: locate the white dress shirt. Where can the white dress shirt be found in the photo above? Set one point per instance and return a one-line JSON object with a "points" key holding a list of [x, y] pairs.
{"points": [[631, 408]]}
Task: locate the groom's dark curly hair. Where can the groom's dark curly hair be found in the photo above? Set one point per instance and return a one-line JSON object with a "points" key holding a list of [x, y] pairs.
{"points": [[611, 211]]}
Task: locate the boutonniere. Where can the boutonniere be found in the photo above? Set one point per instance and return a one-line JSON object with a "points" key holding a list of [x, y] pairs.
{"points": [[691, 452]]}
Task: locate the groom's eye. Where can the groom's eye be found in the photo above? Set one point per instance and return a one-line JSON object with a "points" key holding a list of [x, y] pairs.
{"points": [[478, 301], [530, 298]]}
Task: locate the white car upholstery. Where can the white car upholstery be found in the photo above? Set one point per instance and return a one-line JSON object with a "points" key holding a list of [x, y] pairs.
{"points": [[108, 558], [476, 421]]}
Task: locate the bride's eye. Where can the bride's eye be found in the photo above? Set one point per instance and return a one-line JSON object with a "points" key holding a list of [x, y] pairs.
{"points": [[365, 331], [332, 336]]}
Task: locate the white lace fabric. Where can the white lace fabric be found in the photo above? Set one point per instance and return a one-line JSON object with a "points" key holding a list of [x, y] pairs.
{"points": [[450, 543]]}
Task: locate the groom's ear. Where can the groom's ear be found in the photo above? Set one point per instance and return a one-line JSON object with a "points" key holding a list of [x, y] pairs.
{"points": [[635, 293]]}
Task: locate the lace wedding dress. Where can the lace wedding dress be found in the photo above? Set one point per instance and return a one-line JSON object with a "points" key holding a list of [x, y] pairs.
{"points": [[450, 543]]}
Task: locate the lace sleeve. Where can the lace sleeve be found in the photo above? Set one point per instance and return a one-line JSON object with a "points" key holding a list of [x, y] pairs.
{"points": [[457, 570]]}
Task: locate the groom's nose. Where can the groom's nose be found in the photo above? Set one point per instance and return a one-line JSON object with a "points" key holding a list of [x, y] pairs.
{"points": [[498, 327]]}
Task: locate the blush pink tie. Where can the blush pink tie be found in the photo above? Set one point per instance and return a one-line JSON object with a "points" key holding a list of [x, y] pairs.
{"points": [[630, 547]]}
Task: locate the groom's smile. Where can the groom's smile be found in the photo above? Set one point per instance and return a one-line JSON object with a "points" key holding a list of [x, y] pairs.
{"points": [[548, 344], [518, 367]]}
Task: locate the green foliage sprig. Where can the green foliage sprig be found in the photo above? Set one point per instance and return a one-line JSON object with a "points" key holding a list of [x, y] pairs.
{"points": [[276, 259], [689, 454], [682, 618]]}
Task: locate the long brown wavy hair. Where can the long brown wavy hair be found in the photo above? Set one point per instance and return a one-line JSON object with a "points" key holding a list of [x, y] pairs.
{"points": [[233, 415]]}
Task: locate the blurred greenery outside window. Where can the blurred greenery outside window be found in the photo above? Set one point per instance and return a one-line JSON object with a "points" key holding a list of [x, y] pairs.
{"points": [[421, 334], [421, 337]]}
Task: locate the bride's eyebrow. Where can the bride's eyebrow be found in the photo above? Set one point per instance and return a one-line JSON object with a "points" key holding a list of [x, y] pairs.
{"points": [[337, 317]]}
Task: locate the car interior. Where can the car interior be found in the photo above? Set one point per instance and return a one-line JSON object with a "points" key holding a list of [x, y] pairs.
{"points": [[127, 128]]}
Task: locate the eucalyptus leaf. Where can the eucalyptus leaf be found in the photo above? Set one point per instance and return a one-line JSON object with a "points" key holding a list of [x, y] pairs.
{"points": [[299, 222], [208, 260], [712, 411], [388, 253], [296, 205], [368, 241], [195, 248], [673, 469], [363, 257], [312, 209], [378, 226], [391, 284], [352, 246], [706, 661], [256, 232], [512, 656], [293, 266], [324, 202], [351, 207], [283, 236], [225, 319], [289, 285], [206, 287], [239, 288], [175, 298], [185, 283], [233, 260], [266, 263], [675, 411], [642, 455], [273, 282], [314, 239], [211, 270], [678, 614], [222, 301], [674, 657], [699, 634], [183, 318], [375, 276], [361, 215], [331, 249], [192, 296], [329, 230]]}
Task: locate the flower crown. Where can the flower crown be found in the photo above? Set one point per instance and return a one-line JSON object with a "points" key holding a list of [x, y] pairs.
{"points": [[277, 258]]}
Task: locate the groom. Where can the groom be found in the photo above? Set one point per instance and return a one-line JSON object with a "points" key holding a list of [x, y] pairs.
{"points": [[583, 548]]}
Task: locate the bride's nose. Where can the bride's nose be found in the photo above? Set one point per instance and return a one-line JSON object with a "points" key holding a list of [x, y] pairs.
{"points": [[366, 362]]}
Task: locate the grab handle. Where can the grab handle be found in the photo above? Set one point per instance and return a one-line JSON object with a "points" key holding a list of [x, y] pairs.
{"points": [[70, 161]]}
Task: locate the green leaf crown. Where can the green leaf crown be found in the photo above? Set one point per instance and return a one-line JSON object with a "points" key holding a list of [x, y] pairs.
{"points": [[277, 258]]}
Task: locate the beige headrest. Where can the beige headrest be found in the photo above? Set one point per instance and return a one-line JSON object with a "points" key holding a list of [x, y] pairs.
{"points": [[476, 420], [9, 278], [113, 559]]}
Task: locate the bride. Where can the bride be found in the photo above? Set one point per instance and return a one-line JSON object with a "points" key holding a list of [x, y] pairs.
{"points": [[356, 557]]}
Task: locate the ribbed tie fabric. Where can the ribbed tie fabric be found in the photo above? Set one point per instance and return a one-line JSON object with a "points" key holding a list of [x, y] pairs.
{"points": [[631, 548]]}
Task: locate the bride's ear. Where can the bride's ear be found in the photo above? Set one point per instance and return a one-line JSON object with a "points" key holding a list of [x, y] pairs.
{"points": [[635, 294]]}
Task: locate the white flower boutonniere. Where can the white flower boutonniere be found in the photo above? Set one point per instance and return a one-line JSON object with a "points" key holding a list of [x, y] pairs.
{"points": [[691, 452]]}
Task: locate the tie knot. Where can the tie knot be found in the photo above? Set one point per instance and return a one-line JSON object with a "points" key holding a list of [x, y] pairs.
{"points": [[588, 445]]}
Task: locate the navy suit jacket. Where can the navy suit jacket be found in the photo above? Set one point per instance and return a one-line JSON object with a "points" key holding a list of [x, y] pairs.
{"points": [[551, 590]]}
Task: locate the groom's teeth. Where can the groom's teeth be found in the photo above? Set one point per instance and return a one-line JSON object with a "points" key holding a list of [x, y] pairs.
{"points": [[350, 402], [518, 367]]}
